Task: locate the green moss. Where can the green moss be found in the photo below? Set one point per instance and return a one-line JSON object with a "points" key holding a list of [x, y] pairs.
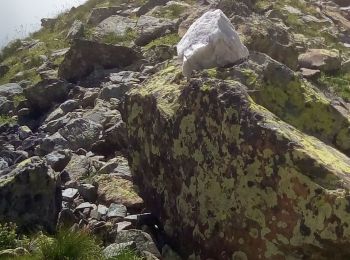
{"points": [[338, 83], [6, 120], [18, 99], [126, 39], [171, 11], [169, 39]]}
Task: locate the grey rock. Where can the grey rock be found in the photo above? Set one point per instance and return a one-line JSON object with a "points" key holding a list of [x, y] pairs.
{"points": [[30, 200], [81, 133], [84, 56], [123, 225], [24, 132], [58, 160], [86, 205], [150, 28], [101, 13], [10, 89], [46, 93], [66, 218], [118, 25], [88, 192], [144, 242], [69, 105], [3, 69], [102, 209], [116, 210], [3, 164], [113, 91], [69, 194], [51, 143], [115, 249], [76, 30]]}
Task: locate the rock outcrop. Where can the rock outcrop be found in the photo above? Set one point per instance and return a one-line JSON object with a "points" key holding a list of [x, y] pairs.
{"points": [[84, 56], [223, 173], [30, 196], [211, 41]]}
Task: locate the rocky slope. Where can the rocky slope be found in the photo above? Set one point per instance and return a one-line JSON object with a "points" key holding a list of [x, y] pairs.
{"points": [[99, 130]]}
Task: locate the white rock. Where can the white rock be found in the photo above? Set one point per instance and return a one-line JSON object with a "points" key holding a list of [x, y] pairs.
{"points": [[211, 41]]}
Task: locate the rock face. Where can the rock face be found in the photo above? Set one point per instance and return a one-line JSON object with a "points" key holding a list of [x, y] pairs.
{"points": [[223, 173], [84, 56], [211, 41], [30, 196], [325, 60]]}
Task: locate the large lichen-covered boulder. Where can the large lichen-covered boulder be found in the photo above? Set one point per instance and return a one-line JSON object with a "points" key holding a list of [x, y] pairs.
{"points": [[30, 196], [230, 180]]}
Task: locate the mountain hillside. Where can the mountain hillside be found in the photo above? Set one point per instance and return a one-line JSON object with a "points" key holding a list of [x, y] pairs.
{"points": [[114, 147]]}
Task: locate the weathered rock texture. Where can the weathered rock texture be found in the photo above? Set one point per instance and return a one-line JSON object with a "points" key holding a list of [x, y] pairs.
{"points": [[225, 175], [84, 56], [210, 41], [30, 196]]}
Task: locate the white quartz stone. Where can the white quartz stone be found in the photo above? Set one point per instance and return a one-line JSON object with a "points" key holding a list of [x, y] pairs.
{"points": [[211, 41]]}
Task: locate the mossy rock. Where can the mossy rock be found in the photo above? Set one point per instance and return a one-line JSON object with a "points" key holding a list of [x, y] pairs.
{"points": [[223, 173]]}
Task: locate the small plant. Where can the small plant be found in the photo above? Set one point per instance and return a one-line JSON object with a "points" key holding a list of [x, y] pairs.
{"points": [[337, 83], [4, 119], [10, 50], [70, 245], [8, 235], [126, 254], [169, 39], [113, 38]]}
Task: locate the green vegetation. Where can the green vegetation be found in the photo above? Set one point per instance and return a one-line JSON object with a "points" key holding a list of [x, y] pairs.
{"points": [[6, 120], [125, 39], [70, 245], [169, 39], [338, 83], [171, 11], [8, 235], [126, 254]]}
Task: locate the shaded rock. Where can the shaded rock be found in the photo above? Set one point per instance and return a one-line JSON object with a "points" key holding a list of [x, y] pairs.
{"points": [[143, 241], [79, 167], [51, 143], [117, 190], [81, 133], [46, 93], [30, 196], [84, 56], [10, 89], [24, 132], [325, 60], [101, 13], [266, 36], [150, 28], [224, 46], [205, 148], [66, 218], [88, 192], [3, 69], [76, 30], [150, 4], [48, 22], [345, 67]]}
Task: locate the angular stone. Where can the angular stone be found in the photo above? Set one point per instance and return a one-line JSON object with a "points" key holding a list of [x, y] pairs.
{"points": [[118, 25], [10, 89], [76, 31], [325, 60], [69, 194], [211, 41], [30, 195], [116, 210], [88, 192], [117, 190], [310, 73], [84, 56]]}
